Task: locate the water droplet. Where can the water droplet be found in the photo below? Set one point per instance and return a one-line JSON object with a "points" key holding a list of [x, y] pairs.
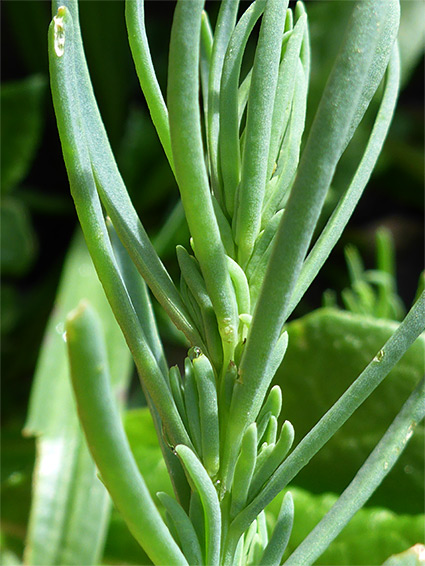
{"points": [[59, 32], [386, 466], [64, 338], [59, 328], [194, 352]]}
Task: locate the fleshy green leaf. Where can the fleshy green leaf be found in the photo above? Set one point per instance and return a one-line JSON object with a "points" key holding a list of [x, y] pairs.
{"points": [[329, 348], [262, 94], [105, 435], [369, 379], [65, 482], [414, 556], [411, 37], [191, 172], [68, 76], [378, 464], [70, 81], [230, 158], [135, 18], [372, 535]]}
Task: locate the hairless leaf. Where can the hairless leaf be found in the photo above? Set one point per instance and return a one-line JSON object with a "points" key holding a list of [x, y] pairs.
{"points": [[208, 413], [196, 285], [139, 294], [187, 534], [273, 552], [411, 327], [305, 46], [140, 300], [191, 304], [164, 240], [191, 399], [367, 479], [135, 19], [278, 187], [237, 419], [205, 60], [210, 503], [285, 89], [186, 141], [225, 395], [243, 94], [226, 233], [197, 516], [176, 389], [76, 156], [107, 440], [230, 158], [262, 92], [343, 211], [111, 188], [244, 469], [261, 245], [240, 284], [262, 424], [224, 27], [273, 403], [341, 100], [274, 460]]}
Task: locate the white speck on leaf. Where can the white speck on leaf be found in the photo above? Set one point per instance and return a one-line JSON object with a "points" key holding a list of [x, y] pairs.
{"points": [[379, 356], [59, 33]]}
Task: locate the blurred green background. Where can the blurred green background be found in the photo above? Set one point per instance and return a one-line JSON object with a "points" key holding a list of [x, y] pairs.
{"points": [[38, 218]]}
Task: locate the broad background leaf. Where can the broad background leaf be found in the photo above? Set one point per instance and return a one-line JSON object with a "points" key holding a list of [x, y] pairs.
{"points": [[327, 350]]}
